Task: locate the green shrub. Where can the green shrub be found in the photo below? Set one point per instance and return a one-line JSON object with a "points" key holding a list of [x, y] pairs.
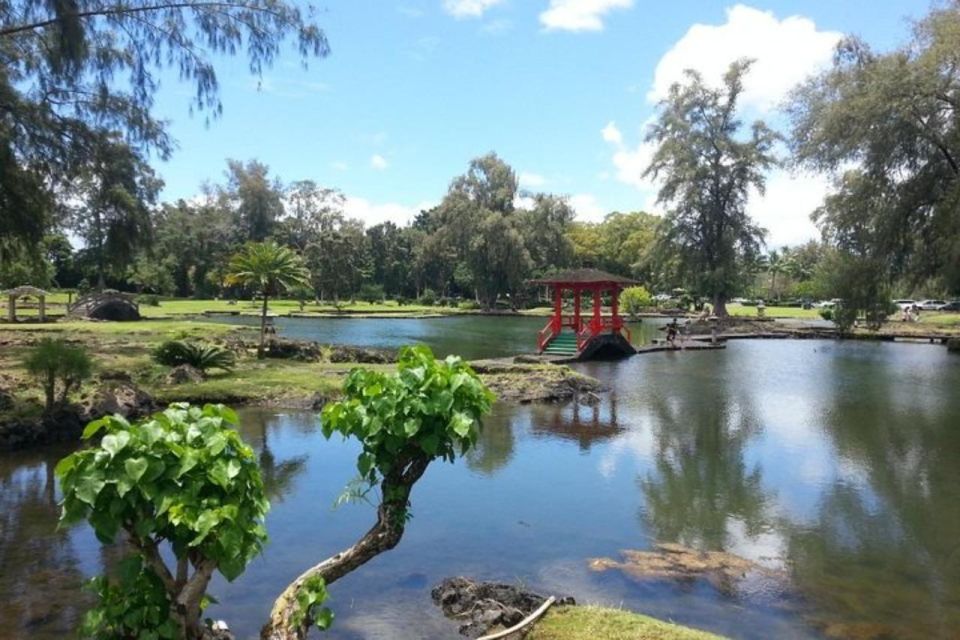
{"points": [[633, 299], [149, 299], [470, 305], [56, 363], [826, 313], [402, 301], [174, 353], [428, 297], [372, 293], [181, 481]]}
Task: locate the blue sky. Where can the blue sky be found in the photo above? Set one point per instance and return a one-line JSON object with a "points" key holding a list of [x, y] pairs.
{"points": [[561, 89]]}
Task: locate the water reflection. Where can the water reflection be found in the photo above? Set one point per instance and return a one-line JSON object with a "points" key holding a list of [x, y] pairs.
{"points": [[831, 464], [586, 425], [701, 491], [278, 477], [886, 539], [40, 578]]}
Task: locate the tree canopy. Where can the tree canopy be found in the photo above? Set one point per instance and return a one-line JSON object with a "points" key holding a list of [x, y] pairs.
{"points": [[706, 173], [886, 126]]}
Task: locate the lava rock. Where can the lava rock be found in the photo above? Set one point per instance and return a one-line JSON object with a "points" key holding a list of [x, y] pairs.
{"points": [[343, 353], [953, 345], [294, 350], [482, 606], [123, 398], [183, 374]]}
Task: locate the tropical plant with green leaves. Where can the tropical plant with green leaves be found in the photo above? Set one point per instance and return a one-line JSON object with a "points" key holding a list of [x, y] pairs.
{"points": [[174, 353], [268, 269], [181, 479], [634, 299], [427, 409], [57, 363]]}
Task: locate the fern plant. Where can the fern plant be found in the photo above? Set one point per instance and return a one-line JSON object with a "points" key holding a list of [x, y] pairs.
{"points": [[174, 353]]}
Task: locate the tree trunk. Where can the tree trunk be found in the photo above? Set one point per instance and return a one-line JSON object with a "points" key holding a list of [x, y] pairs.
{"points": [[263, 328], [50, 389], [720, 306], [383, 536]]}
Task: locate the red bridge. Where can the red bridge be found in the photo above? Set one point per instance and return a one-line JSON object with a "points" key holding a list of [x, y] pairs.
{"points": [[592, 336]]}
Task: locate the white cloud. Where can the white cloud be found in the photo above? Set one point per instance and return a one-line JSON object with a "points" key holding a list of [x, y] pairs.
{"points": [[579, 15], [372, 213], [587, 207], [468, 8], [611, 133], [784, 210], [531, 180], [786, 51], [378, 162]]}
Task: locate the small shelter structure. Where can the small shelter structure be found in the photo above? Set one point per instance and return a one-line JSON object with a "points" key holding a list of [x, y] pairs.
{"points": [[26, 292], [583, 336]]}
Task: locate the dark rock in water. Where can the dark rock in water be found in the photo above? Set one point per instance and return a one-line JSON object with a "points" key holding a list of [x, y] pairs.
{"points": [[183, 374], [294, 350], [485, 606], [953, 345], [63, 423], [363, 355], [124, 398]]}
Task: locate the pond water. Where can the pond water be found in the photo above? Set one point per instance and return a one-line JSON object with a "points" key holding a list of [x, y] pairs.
{"points": [[470, 336], [832, 465]]}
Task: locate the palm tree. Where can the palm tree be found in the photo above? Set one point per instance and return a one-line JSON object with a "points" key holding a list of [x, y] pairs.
{"points": [[268, 268]]}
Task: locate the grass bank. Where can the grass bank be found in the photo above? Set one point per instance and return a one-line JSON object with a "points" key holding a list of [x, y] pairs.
{"points": [[123, 349], [593, 623]]}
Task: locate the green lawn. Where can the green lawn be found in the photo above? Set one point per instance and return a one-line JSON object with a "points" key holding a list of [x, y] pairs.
{"points": [[774, 312], [593, 623], [56, 305]]}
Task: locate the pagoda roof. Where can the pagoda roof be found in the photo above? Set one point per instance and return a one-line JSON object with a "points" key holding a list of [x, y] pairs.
{"points": [[582, 276]]}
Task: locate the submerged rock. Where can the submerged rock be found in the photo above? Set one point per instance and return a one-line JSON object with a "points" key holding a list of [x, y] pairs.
{"points": [[953, 345], [674, 561], [483, 607]]}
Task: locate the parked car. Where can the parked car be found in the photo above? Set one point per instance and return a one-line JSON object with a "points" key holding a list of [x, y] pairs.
{"points": [[931, 305], [905, 304], [953, 305]]}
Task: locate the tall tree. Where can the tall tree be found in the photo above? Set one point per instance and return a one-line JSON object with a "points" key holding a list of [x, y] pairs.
{"points": [[112, 211], [255, 200], [311, 210], [268, 269], [544, 228], [706, 173], [339, 259], [69, 69], [887, 128], [477, 219]]}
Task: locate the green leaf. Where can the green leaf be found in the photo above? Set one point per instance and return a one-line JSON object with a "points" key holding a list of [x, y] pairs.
{"points": [[461, 424], [93, 428], [88, 488], [115, 442], [324, 619], [135, 468]]}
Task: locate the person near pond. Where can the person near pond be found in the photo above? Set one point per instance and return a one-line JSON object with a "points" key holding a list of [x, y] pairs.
{"points": [[672, 329]]}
